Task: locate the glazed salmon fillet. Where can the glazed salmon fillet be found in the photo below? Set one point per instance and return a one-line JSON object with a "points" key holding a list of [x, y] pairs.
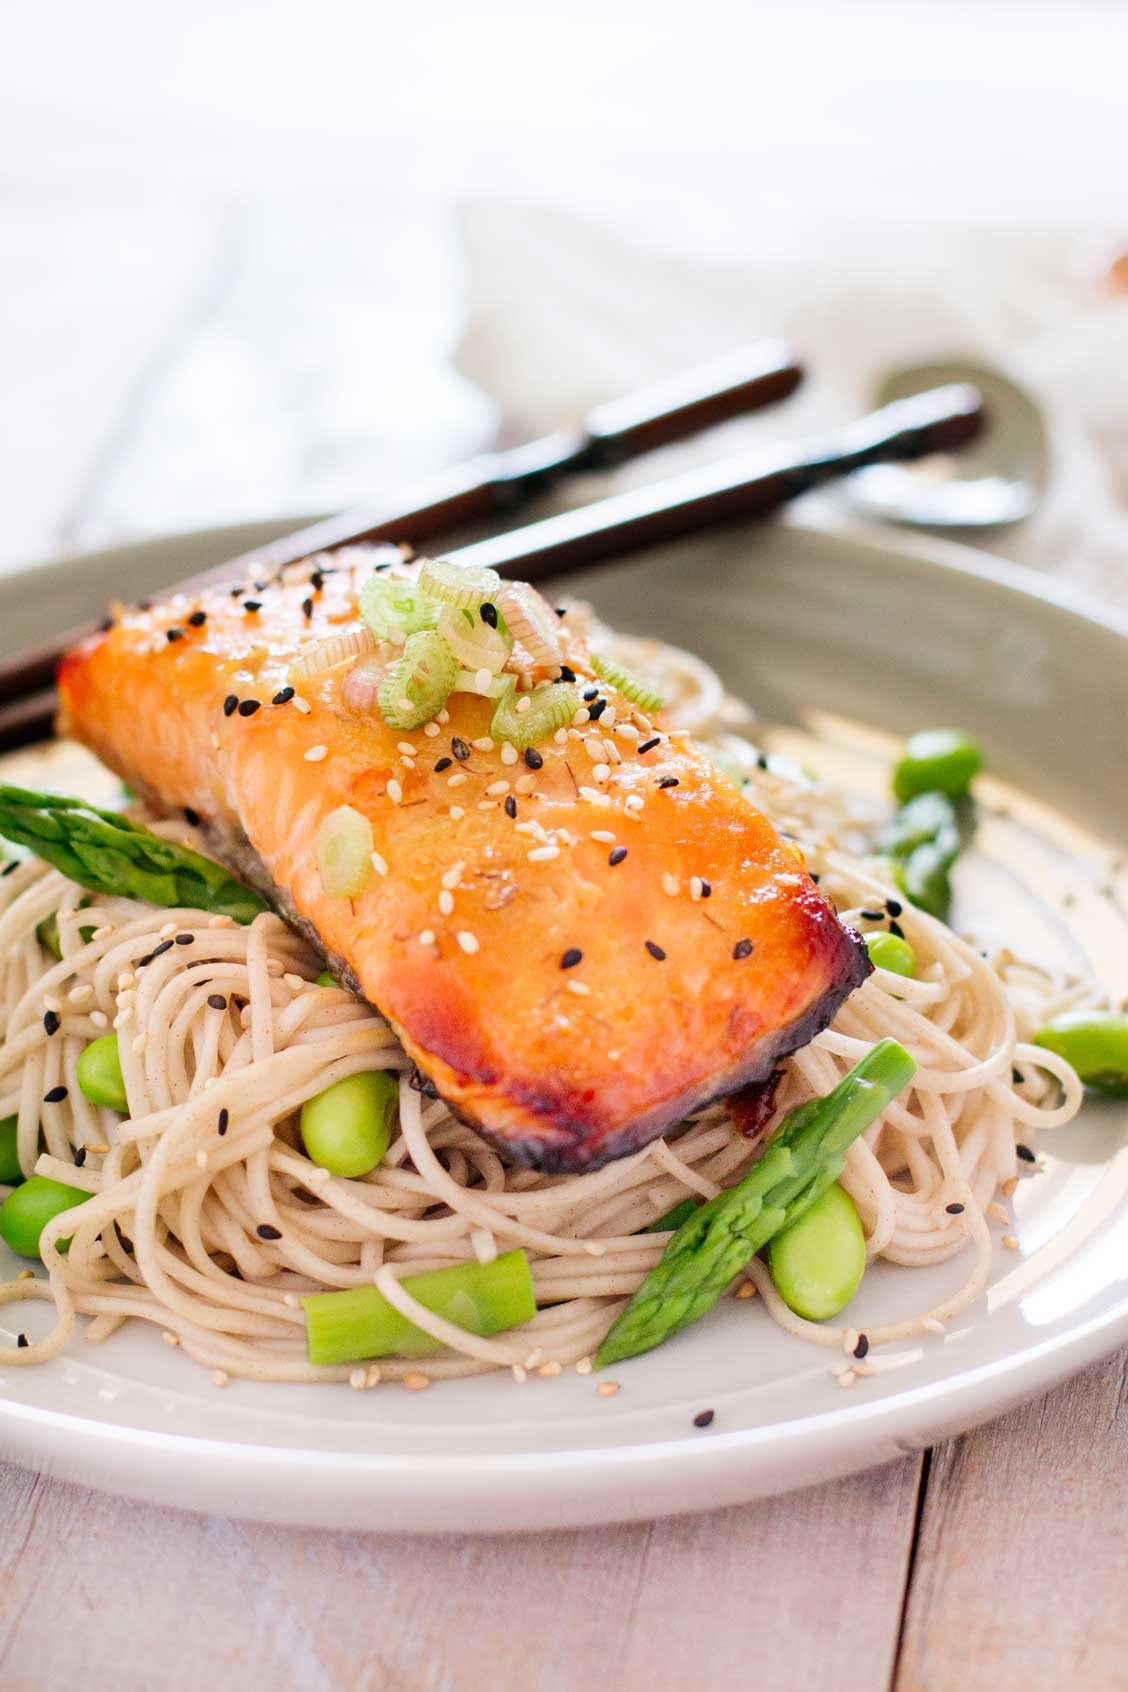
{"points": [[578, 948]]}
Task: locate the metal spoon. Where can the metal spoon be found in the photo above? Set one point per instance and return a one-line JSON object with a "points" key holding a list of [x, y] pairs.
{"points": [[999, 479]]}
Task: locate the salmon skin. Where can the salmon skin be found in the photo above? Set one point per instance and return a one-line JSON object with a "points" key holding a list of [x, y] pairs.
{"points": [[569, 999]]}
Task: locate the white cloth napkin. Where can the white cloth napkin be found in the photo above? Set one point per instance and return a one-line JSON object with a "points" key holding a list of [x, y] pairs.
{"points": [[564, 310]]}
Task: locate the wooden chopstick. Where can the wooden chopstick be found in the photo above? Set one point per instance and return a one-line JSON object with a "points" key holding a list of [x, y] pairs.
{"points": [[495, 483], [750, 485]]}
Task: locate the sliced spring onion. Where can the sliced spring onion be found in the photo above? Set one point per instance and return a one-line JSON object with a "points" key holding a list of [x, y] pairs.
{"points": [[469, 681], [387, 605], [344, 850], [331, 650], [632, 687], [360, 689], [476, 645], [551, 706], [533, 621], [483, 1298], [458, 584], [419, 683]]}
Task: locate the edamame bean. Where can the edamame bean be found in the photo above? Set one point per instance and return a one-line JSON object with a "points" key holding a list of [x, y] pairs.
{"points": [[26, 1212], [923, 878], [99, 1074], [1095, 1043], [10, 1172], [890, 951], [348, 1128], [937, 761], [817, 1263], [325, 979]]}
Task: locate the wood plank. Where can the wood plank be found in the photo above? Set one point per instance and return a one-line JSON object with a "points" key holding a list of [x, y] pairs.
{"points": [[1021, 1564], [101, 1591]]}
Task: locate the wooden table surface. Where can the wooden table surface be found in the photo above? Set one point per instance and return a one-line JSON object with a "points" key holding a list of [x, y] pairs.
{"points": [[179, 360]]}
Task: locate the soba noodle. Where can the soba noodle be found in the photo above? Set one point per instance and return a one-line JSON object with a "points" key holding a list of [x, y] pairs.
{"points": [[207, 1218]]}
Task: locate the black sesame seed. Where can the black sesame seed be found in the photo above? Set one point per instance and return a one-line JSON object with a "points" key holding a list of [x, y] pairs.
{"points": [[55, 1096], [488, 614], [174, 634], [591, 693], [706, 888], [252, 605], [814, 877], [862, 1346], [21, 1342], [217, 1001], [655, 951], [761, 762], [460, 749], [420, 1083], [260, 587], [248, 707], [237, 592], [954, 1209], [571, 958], [443, 764], [191, 817], [165, 946], [230, 704], [1016, 1076], [11, 867], [183, 939], [616, 855], [704, 1418], [894, 907], [224, 1119], [596, 711], [283, 697], [533, 759], [895, 928], [307, 608], [649, 745], [567, 674], [80, 1157], [52, 1022], [1025, 1153], [561, 610], [873, 916], [266, 1231], [743, 949], [510, 806], [198, 619], [317, 581], [668, 781]]}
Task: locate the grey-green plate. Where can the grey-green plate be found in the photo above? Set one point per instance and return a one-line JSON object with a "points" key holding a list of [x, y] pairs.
{"points": [[846, 645]]}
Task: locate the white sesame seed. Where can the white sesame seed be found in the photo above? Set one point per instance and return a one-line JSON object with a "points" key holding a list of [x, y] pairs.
{"points": [[167, 930], [997, 1213], [1010, 1242], [561, 737], [614, 756], [394, 791], [579, 988], [520, 1373], [525, 783], [483, 743], [601, 772], [372, 1375], [170, 1338], [125, 979], [453, 875], [456, 813], [468, 942], [603, 835], [523, 705], [316, 754], [291, 1301], [583, 1367], [431, 730], [456, 779], [633, 802], [531, 826], [608, 717], [487, 804], [847, 1378], [84, 991], [535, 1356], [99, 1018], [497, 788], [379, 864], [508, 754], [220, 1377], [444, 715], [427, 938], [583, 715], [542, 854], [549, 1369], [607, 1389], [695, 886], [406, 748], [215, 742], [670, 884], [594, 749], [302, 705], [446, 902], [357, 1380], [625, 731], [934, 1325]]}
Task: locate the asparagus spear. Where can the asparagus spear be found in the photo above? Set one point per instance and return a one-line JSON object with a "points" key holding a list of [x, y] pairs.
{"points": [[110, 854], [805, 1155]]}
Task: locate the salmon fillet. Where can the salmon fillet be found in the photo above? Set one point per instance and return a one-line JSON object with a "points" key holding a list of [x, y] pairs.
{"points": [[570, 1000]]}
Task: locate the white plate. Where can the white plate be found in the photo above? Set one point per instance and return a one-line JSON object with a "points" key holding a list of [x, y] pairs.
{"points": [[857, 640]]}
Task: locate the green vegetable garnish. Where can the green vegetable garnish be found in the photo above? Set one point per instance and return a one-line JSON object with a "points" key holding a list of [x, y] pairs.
{"points": [[459, 584], [923, 841], [551, 706], [476, 644], [26, 1212], [327, 979], [632, 687], [10, 1172], [673, 1218], [109, 854], [890, 951], [818, 1262], [48, 931], [937, 761], [348, 1127], [419, 683], [343, 849], [1095, 1043], [803, 1158], [387, 605], [99, 1074], [483, 1298]]}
